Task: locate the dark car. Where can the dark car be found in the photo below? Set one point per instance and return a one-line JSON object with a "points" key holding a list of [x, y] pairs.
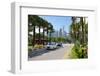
{"points": [[59, 44]]}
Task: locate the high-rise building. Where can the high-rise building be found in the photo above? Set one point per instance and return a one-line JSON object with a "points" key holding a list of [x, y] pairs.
{"points": [[60, 32]]}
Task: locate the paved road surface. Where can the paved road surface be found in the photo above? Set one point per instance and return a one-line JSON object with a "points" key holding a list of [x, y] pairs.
{"points": [[61, 53]]}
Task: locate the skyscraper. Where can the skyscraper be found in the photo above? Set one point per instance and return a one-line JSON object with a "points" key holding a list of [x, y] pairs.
{"points": [[60, 32]]}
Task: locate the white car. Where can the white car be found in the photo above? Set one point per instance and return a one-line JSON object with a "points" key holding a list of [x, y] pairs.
{"points": [[51, 45]]}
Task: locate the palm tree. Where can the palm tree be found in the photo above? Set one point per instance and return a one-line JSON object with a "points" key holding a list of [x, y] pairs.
{"points": [[45, 25], [51, 30], [77, 30], [85, 31], [40, 23], [31, 26], [36, 21], [82, 22], [73, 28]]}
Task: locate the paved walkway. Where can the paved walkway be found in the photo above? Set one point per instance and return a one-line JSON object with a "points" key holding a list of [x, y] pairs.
{"points": [[61, 53]]}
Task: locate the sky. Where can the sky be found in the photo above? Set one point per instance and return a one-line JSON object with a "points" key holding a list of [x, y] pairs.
{"points": [[59, 22]]}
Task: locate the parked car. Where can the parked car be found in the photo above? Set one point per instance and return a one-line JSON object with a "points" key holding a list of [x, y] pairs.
{"points": [[59, 44], [51, 45]]}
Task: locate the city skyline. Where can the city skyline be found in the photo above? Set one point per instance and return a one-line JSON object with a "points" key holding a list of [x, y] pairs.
{"points": [[59, 22], [59, 33]]}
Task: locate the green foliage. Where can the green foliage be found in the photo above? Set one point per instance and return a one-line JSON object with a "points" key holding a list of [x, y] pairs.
{"points": [[36, 21], [38, 46], [79, 30], [57, 39], [79, 34], [79, 51]]}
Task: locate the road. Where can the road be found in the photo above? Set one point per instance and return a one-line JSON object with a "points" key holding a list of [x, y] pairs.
{"points": [[61, 53]]}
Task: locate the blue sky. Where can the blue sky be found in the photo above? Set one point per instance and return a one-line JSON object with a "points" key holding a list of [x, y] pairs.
{"points": [[59, 22]]}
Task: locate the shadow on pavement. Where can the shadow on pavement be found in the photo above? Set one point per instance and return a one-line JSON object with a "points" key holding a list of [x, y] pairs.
{"points": [[39, 52]]}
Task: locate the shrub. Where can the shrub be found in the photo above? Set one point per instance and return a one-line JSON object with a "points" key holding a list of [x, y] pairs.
{"points": [[38, 46], [79, 51], [41, 46]]}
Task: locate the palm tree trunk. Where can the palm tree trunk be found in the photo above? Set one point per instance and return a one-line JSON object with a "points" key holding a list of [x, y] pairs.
{"points": [[33, 36], [39, 35], [47, 35], [75, 31], [82, 35], [82, 30], [50, 37], [43, 35]]}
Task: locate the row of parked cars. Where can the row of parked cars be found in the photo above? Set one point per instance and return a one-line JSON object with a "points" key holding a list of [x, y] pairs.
{"points": [[53, 45]]}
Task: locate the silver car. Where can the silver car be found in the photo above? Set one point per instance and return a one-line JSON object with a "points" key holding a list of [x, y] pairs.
{"points": [[51, 45]]}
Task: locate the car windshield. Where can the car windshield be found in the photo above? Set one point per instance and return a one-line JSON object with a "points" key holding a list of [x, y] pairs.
{"points": [[52, 43]]}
